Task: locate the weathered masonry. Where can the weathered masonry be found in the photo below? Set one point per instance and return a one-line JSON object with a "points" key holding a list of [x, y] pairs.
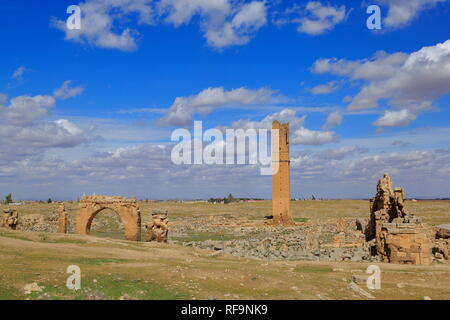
{"points": [[281, 182], [127, 209]]}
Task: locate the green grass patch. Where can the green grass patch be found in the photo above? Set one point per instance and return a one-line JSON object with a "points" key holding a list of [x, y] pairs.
{"points": [[98, 261], [110, 288], [8, 293], [314, 269]]}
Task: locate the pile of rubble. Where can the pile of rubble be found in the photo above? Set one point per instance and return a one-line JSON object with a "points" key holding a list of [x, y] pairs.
{"points": [[330, 240], [38, 223]]}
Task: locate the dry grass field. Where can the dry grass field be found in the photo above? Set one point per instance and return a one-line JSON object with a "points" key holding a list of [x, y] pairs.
{"points": [[112, 268]]}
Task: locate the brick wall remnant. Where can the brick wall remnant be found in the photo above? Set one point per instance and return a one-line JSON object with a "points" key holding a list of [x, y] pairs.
{"points": [[281, 183]]}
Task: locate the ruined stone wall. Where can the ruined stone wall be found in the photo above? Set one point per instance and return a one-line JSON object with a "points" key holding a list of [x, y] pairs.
{"points": [[405, 243], [400, 237]]}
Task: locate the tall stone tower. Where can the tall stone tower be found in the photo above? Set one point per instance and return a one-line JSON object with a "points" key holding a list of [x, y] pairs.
{"points": [[281, 182]]}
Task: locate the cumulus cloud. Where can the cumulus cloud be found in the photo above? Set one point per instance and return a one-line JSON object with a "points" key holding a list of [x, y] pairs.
{"points": [[102, 23], [320, 18], [311, 137], [284, 116], [299, 134], [315, 18], [25, 128], [395, 118], [24, 110], [408, 82], [65, 92], [18, 73], [402, 12], [326, 88], [224, 23], [401, 143], [334, 119], [183, 108], [346, 171]]}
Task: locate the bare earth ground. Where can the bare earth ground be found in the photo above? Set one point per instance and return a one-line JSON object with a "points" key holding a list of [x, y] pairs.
{"points": [[112, 267]]}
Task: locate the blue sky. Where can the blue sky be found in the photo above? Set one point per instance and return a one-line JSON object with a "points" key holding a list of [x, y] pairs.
{"points": [[92, 110]]}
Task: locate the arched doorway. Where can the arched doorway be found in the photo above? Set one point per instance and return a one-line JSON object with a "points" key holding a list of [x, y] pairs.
{"points": [[106, 223], [127, 209]]}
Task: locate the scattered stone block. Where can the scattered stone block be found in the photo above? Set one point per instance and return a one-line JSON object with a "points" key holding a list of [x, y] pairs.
{"points": [[10, 219], [157, 229], [443, 231]]}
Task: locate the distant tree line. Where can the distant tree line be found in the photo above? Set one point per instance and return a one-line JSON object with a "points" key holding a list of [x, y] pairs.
{"points": [[230, 199]]}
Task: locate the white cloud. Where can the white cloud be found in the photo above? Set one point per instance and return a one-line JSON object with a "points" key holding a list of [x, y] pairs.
{"points": [[381, 66], [24, 110], [224, 23], [18, 73], [334, 119], [25, 128], [320, 18], [315, 18], [3, 99], [299, 134], [402, 12], [65, 92], [346, 171], [183, 108], [102, 23], [409, 82], [284, 116], [313, 138], [395, 118], [401, 143], [326, 88]]}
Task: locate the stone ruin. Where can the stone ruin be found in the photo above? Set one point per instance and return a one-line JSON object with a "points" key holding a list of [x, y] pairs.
{"points": [[157, 229], [127, 209], [63, 219], [347, 237], [441, 248], [281, 194], [400, 237], [10, 219]]}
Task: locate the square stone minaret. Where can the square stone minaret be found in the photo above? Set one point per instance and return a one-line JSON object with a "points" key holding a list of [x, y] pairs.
{"points": [[281, 182]]}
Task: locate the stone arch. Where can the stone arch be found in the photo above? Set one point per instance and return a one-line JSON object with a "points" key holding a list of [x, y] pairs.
{"points": [[127, 209]]}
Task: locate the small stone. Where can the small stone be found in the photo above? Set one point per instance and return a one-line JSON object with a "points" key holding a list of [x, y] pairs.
{"points": [[32, 287]]}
